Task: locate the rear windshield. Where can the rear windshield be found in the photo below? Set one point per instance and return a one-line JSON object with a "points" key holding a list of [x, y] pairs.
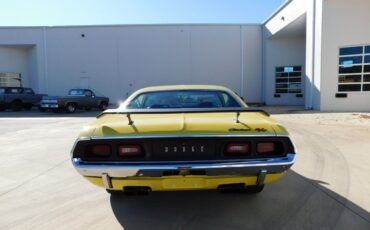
{"points": [[76, 92], [183, 99]]}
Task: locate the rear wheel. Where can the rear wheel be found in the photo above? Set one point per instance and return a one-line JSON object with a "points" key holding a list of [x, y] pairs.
{"points": [[71, 108], [254, 189], [42, 109], [27, 106], [2, 108], [103, 106], [17, 105], [241, 188]]}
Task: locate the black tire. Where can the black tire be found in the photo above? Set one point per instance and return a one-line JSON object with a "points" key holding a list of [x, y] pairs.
{"points": [[2, 108], [71, 108], [42, 109], [254, 189], [16, 105], [115, 192], [103, 106], [27, 106]]}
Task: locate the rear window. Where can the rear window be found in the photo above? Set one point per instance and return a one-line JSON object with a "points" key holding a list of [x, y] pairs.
{"points": [[13, 90], [76, 92], [183, 99]]}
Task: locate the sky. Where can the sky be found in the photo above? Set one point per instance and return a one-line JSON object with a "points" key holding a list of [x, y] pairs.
{"points": [[100, 12]]}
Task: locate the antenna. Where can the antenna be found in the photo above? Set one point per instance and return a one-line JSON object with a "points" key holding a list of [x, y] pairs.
{"points": [[130, 121]]}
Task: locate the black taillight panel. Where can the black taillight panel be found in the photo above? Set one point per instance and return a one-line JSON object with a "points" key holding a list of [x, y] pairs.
{"points": [[178, 149]]}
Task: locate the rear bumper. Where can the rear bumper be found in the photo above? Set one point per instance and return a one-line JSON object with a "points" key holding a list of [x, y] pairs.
{"points": [[249, 167], [179, 183]]}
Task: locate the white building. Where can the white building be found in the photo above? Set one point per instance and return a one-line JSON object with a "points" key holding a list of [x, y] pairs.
{"points": [[314, 53]]}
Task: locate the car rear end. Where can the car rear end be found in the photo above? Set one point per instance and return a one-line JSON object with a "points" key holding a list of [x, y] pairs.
{"points": [[49, 103], [182, 162]]}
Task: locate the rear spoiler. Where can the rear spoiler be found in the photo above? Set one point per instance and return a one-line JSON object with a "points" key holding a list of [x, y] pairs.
{"points": [[237, 110]]}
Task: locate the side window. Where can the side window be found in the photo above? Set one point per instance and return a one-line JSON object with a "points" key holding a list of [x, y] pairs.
{"points": [[137, 103], [14, 90], [88, 93], [28, 91]]}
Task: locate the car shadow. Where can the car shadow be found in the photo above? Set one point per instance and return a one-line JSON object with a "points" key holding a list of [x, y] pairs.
{"points": [[295, 202]]}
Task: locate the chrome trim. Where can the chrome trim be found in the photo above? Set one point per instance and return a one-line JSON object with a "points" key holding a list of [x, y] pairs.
{"points": [[247, 167], [185, 136]]}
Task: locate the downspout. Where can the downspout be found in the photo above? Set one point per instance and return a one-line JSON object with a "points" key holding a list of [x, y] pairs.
{"points": [[313, 53], [263, 96], [45, 61], [242, 61]]}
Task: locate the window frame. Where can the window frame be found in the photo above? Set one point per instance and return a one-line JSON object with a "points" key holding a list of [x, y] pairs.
{"points": [[288, 77], [363, 56]]}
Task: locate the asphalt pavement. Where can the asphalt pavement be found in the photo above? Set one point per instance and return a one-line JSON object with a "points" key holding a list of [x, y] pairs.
{"points": [[327, 188]]}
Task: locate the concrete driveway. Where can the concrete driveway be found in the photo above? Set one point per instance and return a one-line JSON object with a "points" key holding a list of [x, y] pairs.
{"points": [[327, 188]]}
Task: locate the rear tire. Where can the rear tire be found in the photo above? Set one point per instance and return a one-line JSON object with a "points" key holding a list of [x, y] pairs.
{"points": [[27, 106], [17, 105], [71, 108], [42, 109], [2, 108], [103, 106], [254, 189]]}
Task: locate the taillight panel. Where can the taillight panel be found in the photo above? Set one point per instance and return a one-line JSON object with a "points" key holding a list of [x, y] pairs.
{"points": [[237, 149], [99, 151], [162, 149]]}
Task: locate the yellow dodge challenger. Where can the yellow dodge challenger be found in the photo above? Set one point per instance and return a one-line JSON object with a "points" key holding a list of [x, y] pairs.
{"points": [[183, 137]]}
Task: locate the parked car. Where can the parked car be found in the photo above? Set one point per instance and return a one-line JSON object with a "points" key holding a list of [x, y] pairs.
{"points": [[18, 98], [76, 99], [183, 138]]}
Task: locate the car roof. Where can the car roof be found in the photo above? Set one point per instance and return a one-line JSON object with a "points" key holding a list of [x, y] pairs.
{"points": [[182, 87]]}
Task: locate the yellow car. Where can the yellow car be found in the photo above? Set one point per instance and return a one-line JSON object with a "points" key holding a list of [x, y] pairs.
{"points": [[183, 137]]}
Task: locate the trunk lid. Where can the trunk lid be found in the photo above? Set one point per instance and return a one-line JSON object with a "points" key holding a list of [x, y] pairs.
{"points": [[184, 123]]}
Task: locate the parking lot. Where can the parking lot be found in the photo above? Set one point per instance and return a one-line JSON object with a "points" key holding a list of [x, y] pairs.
{"points": [[328, 187]]}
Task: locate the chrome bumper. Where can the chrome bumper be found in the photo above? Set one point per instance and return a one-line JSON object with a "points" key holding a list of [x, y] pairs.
{"points": [[248, 167]]}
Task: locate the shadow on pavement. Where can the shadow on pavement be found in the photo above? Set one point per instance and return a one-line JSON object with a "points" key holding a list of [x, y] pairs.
{"points": [[295, 202]]}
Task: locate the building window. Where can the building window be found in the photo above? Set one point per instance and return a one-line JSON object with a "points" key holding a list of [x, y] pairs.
{"points": [[10, 79], [288, 79], [354, 69]]}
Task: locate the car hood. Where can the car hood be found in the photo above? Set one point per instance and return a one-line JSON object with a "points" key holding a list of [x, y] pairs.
{"points": [[254, 123]]}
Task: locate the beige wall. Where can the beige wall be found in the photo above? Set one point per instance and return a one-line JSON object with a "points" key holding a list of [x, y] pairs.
{"points": [[344, 23]]}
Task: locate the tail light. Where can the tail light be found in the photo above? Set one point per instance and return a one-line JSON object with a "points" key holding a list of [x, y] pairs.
{"points": [[99, 151], [237, 149], [265, 147], [130, 151]]}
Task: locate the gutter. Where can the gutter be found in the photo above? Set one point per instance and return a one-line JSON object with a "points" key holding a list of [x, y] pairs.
{"points": [[277, 11]]}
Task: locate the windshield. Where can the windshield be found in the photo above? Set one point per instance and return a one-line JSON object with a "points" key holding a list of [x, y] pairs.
{"points": [[183, 99]]}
